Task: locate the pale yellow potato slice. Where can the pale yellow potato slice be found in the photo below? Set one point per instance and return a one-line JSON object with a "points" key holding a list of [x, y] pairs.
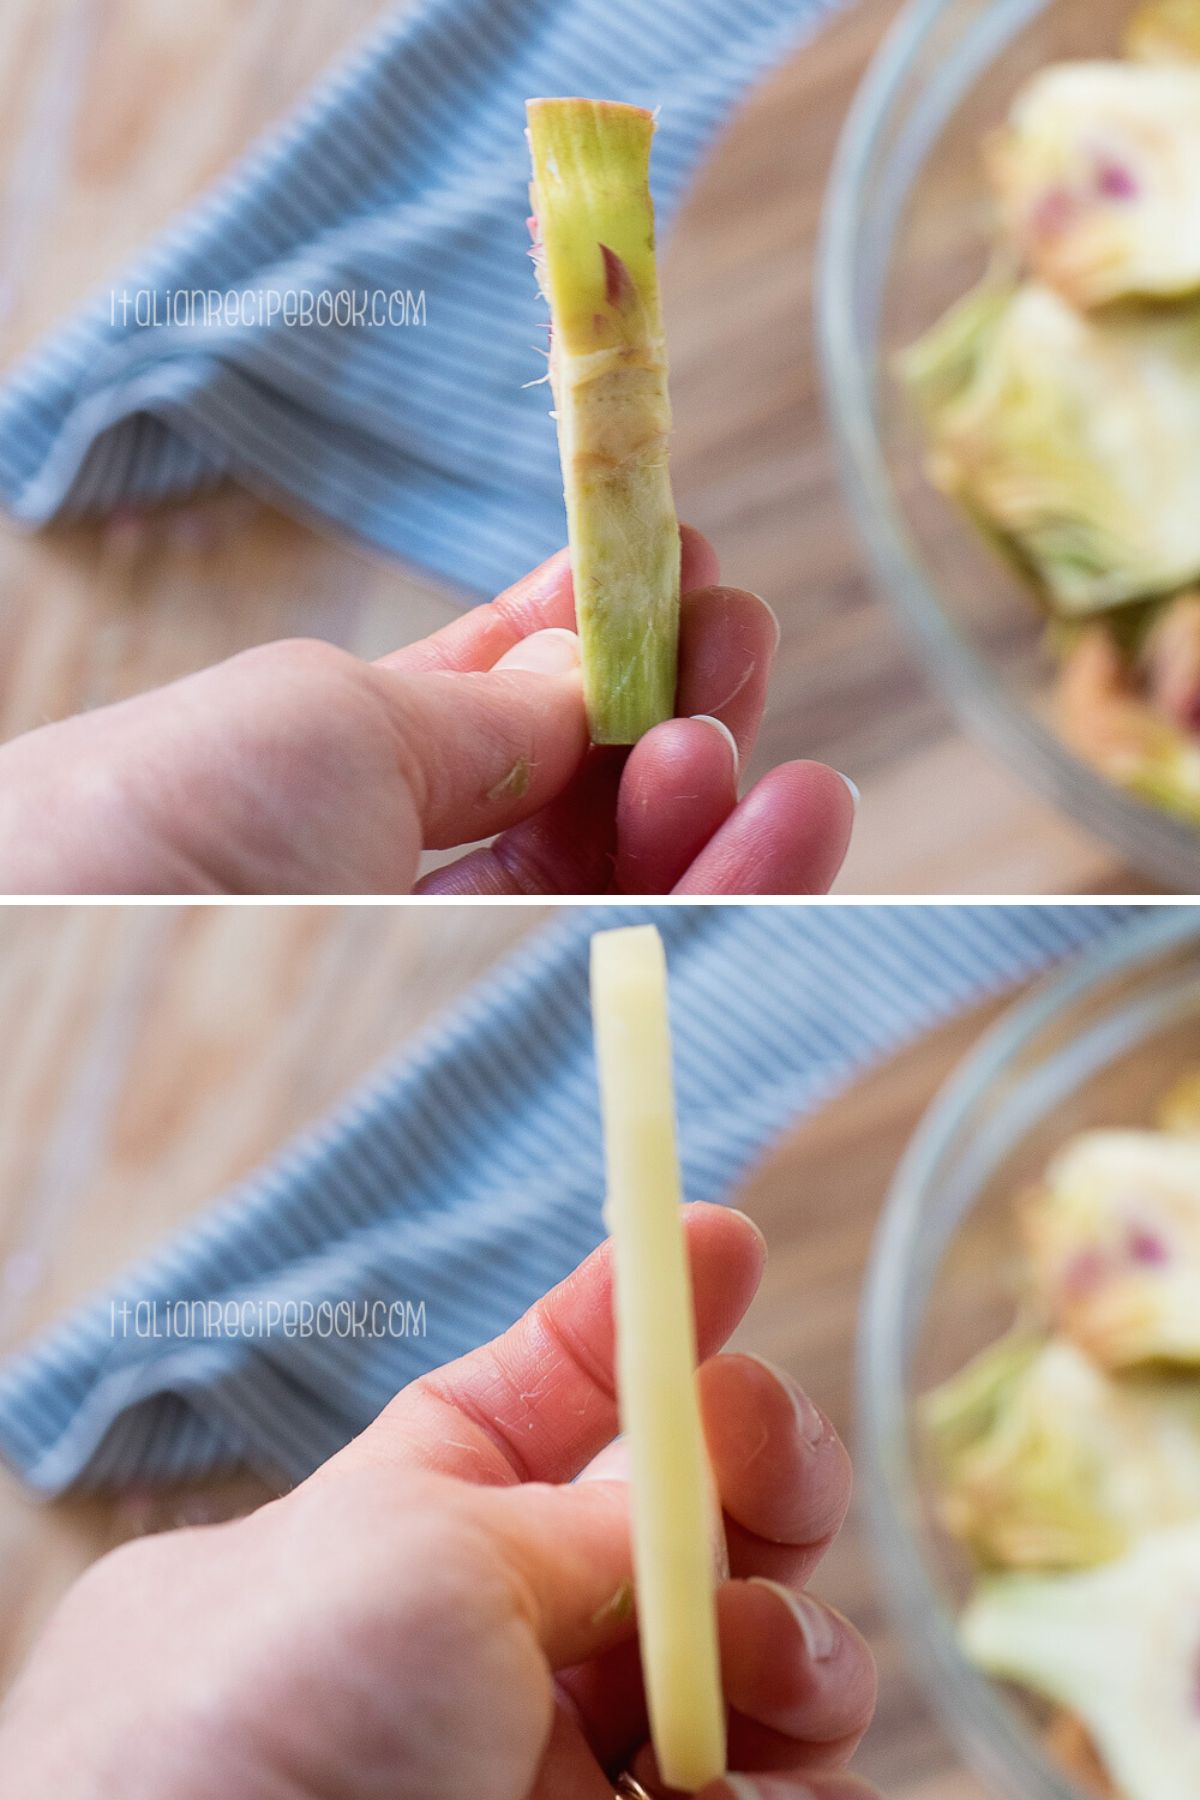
{"points": [[674, 1513]]}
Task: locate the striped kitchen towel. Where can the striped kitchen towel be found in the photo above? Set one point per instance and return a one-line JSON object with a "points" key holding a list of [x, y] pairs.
{"points": [[467, 1179], [411, 423]]}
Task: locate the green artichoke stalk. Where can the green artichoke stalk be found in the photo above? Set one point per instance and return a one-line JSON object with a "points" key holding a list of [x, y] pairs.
{"points": [[593, 223]]}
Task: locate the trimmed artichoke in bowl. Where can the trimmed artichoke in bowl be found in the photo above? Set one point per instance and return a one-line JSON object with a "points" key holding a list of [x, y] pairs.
{"points": [[1164, 31], [1060, 400], [1066, 1459], [1046, 1463], [1097, 179], [1076, 440], [1113, 1245], [1118, 1647], [1136, 717]]}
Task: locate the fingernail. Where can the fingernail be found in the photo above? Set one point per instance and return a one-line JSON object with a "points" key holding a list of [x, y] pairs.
{"points": [[809, 1422], [719, 725], [744, 1787], [852, 785], [738, 1787], [817, 1625], [554, 651], [720, 1543], [610, 1464], [619, 1606], [755, 1227], [774, 616]]}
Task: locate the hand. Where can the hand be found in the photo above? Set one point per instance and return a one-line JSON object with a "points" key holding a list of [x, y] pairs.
{"points": [[298, 768], [440, 1611]]}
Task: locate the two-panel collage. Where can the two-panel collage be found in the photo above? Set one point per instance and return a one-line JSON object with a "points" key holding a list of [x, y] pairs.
{"points": [[600, 900]]}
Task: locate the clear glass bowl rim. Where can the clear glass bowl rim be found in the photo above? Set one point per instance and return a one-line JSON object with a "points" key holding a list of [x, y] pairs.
{"points": [[985, 1726], [1151, 840]]}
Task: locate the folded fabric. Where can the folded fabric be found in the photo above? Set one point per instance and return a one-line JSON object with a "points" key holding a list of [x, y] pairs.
{"points": [[466, 1180], [405, 173]]}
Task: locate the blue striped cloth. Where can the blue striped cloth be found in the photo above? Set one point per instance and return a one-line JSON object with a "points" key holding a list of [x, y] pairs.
{"points": [[405, 172], [468, 1178]]}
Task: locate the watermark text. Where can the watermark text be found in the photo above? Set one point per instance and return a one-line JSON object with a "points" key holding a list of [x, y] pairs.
{"points": [[182, 1320], [360, 309]]}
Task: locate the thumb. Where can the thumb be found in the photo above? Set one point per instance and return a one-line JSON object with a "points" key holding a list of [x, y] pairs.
{"points": [[480, 752], [568, 1551]]}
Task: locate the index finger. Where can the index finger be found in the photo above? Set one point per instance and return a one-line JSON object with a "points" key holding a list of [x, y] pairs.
{"points": [[541, 599], [539, 1402]]}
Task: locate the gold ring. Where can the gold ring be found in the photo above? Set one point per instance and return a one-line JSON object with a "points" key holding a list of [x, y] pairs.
{"points": [[629, 1789]]}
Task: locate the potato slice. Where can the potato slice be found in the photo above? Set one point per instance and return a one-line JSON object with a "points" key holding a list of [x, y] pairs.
{"points": [[675, 1521]]}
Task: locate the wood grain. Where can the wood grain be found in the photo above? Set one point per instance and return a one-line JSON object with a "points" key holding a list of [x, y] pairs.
{"points": [[114, 113], [156, 1055]]}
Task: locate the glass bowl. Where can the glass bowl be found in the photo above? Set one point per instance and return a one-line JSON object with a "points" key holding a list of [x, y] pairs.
{"points": [[907, 230], [1095, 1045]]}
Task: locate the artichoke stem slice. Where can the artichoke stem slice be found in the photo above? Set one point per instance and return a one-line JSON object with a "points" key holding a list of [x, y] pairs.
{"points": [[594, 252]]}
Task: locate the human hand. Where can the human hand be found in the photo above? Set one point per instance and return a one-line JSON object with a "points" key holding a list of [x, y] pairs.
{"points": [[299, 768], [440, 1611]]}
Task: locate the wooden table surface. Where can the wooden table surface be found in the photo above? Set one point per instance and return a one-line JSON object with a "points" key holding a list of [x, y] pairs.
{"points": [[169, 1050], [115, 112]]}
